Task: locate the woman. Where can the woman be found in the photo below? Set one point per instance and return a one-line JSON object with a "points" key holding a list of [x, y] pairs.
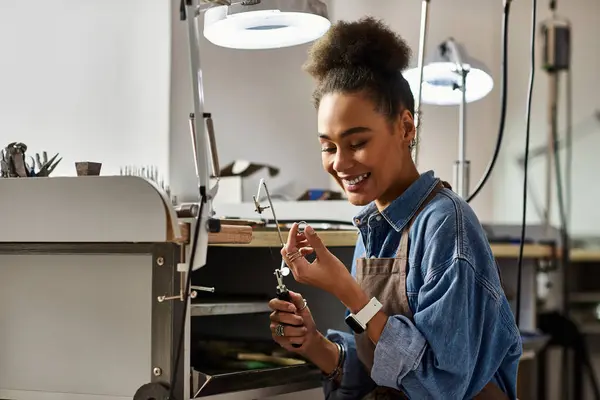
{"points": [[429, 315]]}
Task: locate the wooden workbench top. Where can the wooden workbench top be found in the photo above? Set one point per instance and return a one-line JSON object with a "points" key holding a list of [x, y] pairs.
{"points": [[585, 255], [244, 236]]}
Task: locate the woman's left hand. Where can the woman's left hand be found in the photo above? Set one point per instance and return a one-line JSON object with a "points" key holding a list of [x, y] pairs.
{"points": [[326, 272]]}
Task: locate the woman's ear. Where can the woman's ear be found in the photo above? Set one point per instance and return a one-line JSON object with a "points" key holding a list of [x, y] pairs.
{"points": [[408, 124]]}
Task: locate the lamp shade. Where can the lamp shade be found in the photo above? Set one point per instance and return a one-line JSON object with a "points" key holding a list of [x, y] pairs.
{"points": [[442, 78], [266, 24]]}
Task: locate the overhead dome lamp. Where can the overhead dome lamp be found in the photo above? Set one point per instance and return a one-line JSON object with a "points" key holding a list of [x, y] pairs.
{"points": [[266, 24], [452, 77], [442, 76]]}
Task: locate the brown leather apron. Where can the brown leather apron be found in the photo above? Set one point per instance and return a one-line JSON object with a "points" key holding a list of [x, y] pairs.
{"points": [[385, 278]]}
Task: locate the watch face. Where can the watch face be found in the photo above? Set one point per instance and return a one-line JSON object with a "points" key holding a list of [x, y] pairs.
{"points": [[353, 324]]}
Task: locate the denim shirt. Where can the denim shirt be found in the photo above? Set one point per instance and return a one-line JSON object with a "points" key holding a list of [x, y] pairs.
{"points": [[464, 334]]}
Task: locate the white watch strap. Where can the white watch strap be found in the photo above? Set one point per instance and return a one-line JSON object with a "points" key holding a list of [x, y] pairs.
{"points": [[369, 311]]}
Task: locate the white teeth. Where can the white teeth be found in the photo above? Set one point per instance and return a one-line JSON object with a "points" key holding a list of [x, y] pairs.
{"points": [[356, 180]]}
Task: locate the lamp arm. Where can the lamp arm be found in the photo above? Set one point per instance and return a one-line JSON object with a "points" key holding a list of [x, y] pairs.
{"points": [[452, 52], [198, 129]]}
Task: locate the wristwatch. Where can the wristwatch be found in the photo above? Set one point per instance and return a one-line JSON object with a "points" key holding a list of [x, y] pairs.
{"points": [[358, 322]]}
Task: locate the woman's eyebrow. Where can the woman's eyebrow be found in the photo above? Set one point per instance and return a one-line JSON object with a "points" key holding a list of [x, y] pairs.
{"points": [[347, 132]]}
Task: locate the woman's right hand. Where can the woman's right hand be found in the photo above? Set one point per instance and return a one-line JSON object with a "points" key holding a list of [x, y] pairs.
{"points": [[304, 333]]}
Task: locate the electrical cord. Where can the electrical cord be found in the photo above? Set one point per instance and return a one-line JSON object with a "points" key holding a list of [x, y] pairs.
{"points": [[188, 284], [503, 101], [526, 157]]}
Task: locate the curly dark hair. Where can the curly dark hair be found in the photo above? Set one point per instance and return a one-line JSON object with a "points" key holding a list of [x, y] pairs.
{"points": [[362, 56]]}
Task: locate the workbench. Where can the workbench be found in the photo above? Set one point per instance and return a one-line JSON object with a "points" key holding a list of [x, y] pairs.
{"points": [[82, 271]]}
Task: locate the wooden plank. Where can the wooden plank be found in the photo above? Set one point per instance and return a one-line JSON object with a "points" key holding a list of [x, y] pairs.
{"points": [[231, 234], [585, 255], [502, 250], [234, 235], [342, 238], [347, 238]]}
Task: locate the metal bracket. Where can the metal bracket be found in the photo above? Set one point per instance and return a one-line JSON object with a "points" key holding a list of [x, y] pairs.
{"points": [[182, 270]]}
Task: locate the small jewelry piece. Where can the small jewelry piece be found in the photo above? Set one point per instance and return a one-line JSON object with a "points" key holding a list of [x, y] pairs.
{"points": [[279, 330], [301, 226], [304, 305], [294, 256]]}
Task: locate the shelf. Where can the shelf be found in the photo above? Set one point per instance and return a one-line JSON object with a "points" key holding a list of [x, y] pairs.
{"points": [[264, 238], [347, 238], [231, 234], [505, 250], [585, 255], [337, 238], [590, 328], [279, 380], [584, 297], [533, 343], [527, 355], [228, 308]]}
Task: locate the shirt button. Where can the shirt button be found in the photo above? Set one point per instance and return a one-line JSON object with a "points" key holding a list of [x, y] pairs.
{"points": [[379, 218], [357, 221]]}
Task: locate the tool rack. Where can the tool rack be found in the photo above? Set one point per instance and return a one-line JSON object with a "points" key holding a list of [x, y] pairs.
{"points": [[84, 263]]}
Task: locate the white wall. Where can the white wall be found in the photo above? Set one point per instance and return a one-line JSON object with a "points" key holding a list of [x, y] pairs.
{"points": [[86, 79], [585, 18], [91, 80]]}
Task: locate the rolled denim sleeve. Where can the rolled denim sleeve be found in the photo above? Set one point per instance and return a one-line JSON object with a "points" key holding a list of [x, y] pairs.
{"points": [[458, 340], [356, 382]]}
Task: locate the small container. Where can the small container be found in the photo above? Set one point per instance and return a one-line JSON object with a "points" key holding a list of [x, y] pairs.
{"points": [[88, 168]]}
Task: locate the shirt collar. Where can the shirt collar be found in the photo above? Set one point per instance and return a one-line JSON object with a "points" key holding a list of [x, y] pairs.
{"points": [[401, 210]]}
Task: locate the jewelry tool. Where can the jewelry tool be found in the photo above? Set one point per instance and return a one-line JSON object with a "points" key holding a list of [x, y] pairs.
{"points": [[281, 291]]}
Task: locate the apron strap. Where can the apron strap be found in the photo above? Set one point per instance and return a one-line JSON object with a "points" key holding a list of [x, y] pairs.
{"points": [[403, 247]]}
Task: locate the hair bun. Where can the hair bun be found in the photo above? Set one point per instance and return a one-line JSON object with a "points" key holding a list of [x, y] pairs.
{"points": [[366, 43]]}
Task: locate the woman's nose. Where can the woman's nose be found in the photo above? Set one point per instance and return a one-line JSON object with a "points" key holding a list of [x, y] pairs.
{"points": [[343, 161]]}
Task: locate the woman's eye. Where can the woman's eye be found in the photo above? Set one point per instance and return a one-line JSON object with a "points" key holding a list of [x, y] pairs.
{"points": [[358, 145], [328, 149]]}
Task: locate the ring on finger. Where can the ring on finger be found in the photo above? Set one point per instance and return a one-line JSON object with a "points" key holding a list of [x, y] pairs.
{"points": [[303, 305], [294, 256], [279, 330]]}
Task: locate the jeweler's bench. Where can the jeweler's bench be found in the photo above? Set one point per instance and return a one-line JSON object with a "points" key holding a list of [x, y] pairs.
{"points": [[83, 262]]}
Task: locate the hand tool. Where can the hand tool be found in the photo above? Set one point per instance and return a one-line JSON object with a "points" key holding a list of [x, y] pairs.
{"points": [[45, 166], [149, 173], [16, 160], [281, 291], [15, 163], [4, 168]]}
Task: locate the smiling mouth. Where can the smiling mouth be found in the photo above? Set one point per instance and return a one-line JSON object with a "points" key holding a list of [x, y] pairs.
{"points": [[357, 180]]}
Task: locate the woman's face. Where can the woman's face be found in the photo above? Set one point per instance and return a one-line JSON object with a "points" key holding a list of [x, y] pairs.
{"points": [[365, 153]]}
